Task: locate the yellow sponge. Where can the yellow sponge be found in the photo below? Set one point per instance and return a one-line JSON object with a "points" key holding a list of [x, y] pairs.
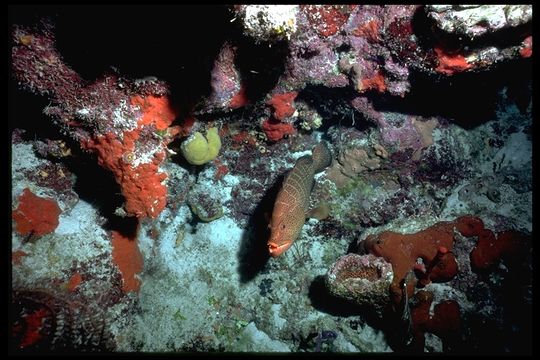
{"points": [[199, 150]]}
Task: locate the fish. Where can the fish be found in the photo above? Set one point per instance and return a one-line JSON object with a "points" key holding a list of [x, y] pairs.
{"points": [[292, 201]]}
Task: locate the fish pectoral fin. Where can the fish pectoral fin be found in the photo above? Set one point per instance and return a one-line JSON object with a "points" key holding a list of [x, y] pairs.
{"points": [[320, 212]]}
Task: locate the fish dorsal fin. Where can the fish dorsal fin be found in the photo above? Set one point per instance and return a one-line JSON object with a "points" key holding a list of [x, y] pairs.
{"points": [[322, 156]]}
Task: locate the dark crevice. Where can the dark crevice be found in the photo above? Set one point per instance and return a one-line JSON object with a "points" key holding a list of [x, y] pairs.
{"points": [[260, 65], [253, 253], [468, 99]]}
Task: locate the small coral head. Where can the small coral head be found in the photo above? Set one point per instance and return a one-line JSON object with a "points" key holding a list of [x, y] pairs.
{"points": [[275, 250], [199, 150]]}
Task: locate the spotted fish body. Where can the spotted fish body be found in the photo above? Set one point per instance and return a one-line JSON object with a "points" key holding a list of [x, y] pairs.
{"points": [[292, 201]]}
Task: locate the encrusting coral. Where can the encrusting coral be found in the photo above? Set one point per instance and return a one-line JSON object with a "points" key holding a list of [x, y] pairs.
{"points": [[106, 117], [443, 321], [35, 215], [204, 206], [433, 245]]}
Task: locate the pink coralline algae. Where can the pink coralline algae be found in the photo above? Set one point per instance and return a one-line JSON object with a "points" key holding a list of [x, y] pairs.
{"points": [[368, 49], [122, 123], [327, 19], [227, 90], [382, 45], [368, 32], [400, 132], [334, 36]]}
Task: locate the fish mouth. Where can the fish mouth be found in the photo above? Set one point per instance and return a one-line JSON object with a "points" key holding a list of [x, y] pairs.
{"points": [[276, 250]]}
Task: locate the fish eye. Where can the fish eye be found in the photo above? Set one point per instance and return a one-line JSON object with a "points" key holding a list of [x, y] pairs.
{"points": [[283, 227]]}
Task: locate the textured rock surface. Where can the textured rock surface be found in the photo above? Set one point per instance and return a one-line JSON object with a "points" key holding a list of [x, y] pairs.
{"points": [[477, 20]]}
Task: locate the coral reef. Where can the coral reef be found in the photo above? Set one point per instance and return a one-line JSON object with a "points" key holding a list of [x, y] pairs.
{"points": [[108, 118], [161, 174]]}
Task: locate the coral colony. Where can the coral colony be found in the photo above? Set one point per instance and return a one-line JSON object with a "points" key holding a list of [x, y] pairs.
{"points": [[305, 178]]}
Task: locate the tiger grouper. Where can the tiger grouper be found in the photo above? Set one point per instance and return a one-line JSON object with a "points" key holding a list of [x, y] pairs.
{"points": [[292, 201]]}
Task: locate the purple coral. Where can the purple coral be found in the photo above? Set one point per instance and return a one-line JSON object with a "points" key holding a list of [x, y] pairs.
{"points": [[38, 65], [225, 82]]}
